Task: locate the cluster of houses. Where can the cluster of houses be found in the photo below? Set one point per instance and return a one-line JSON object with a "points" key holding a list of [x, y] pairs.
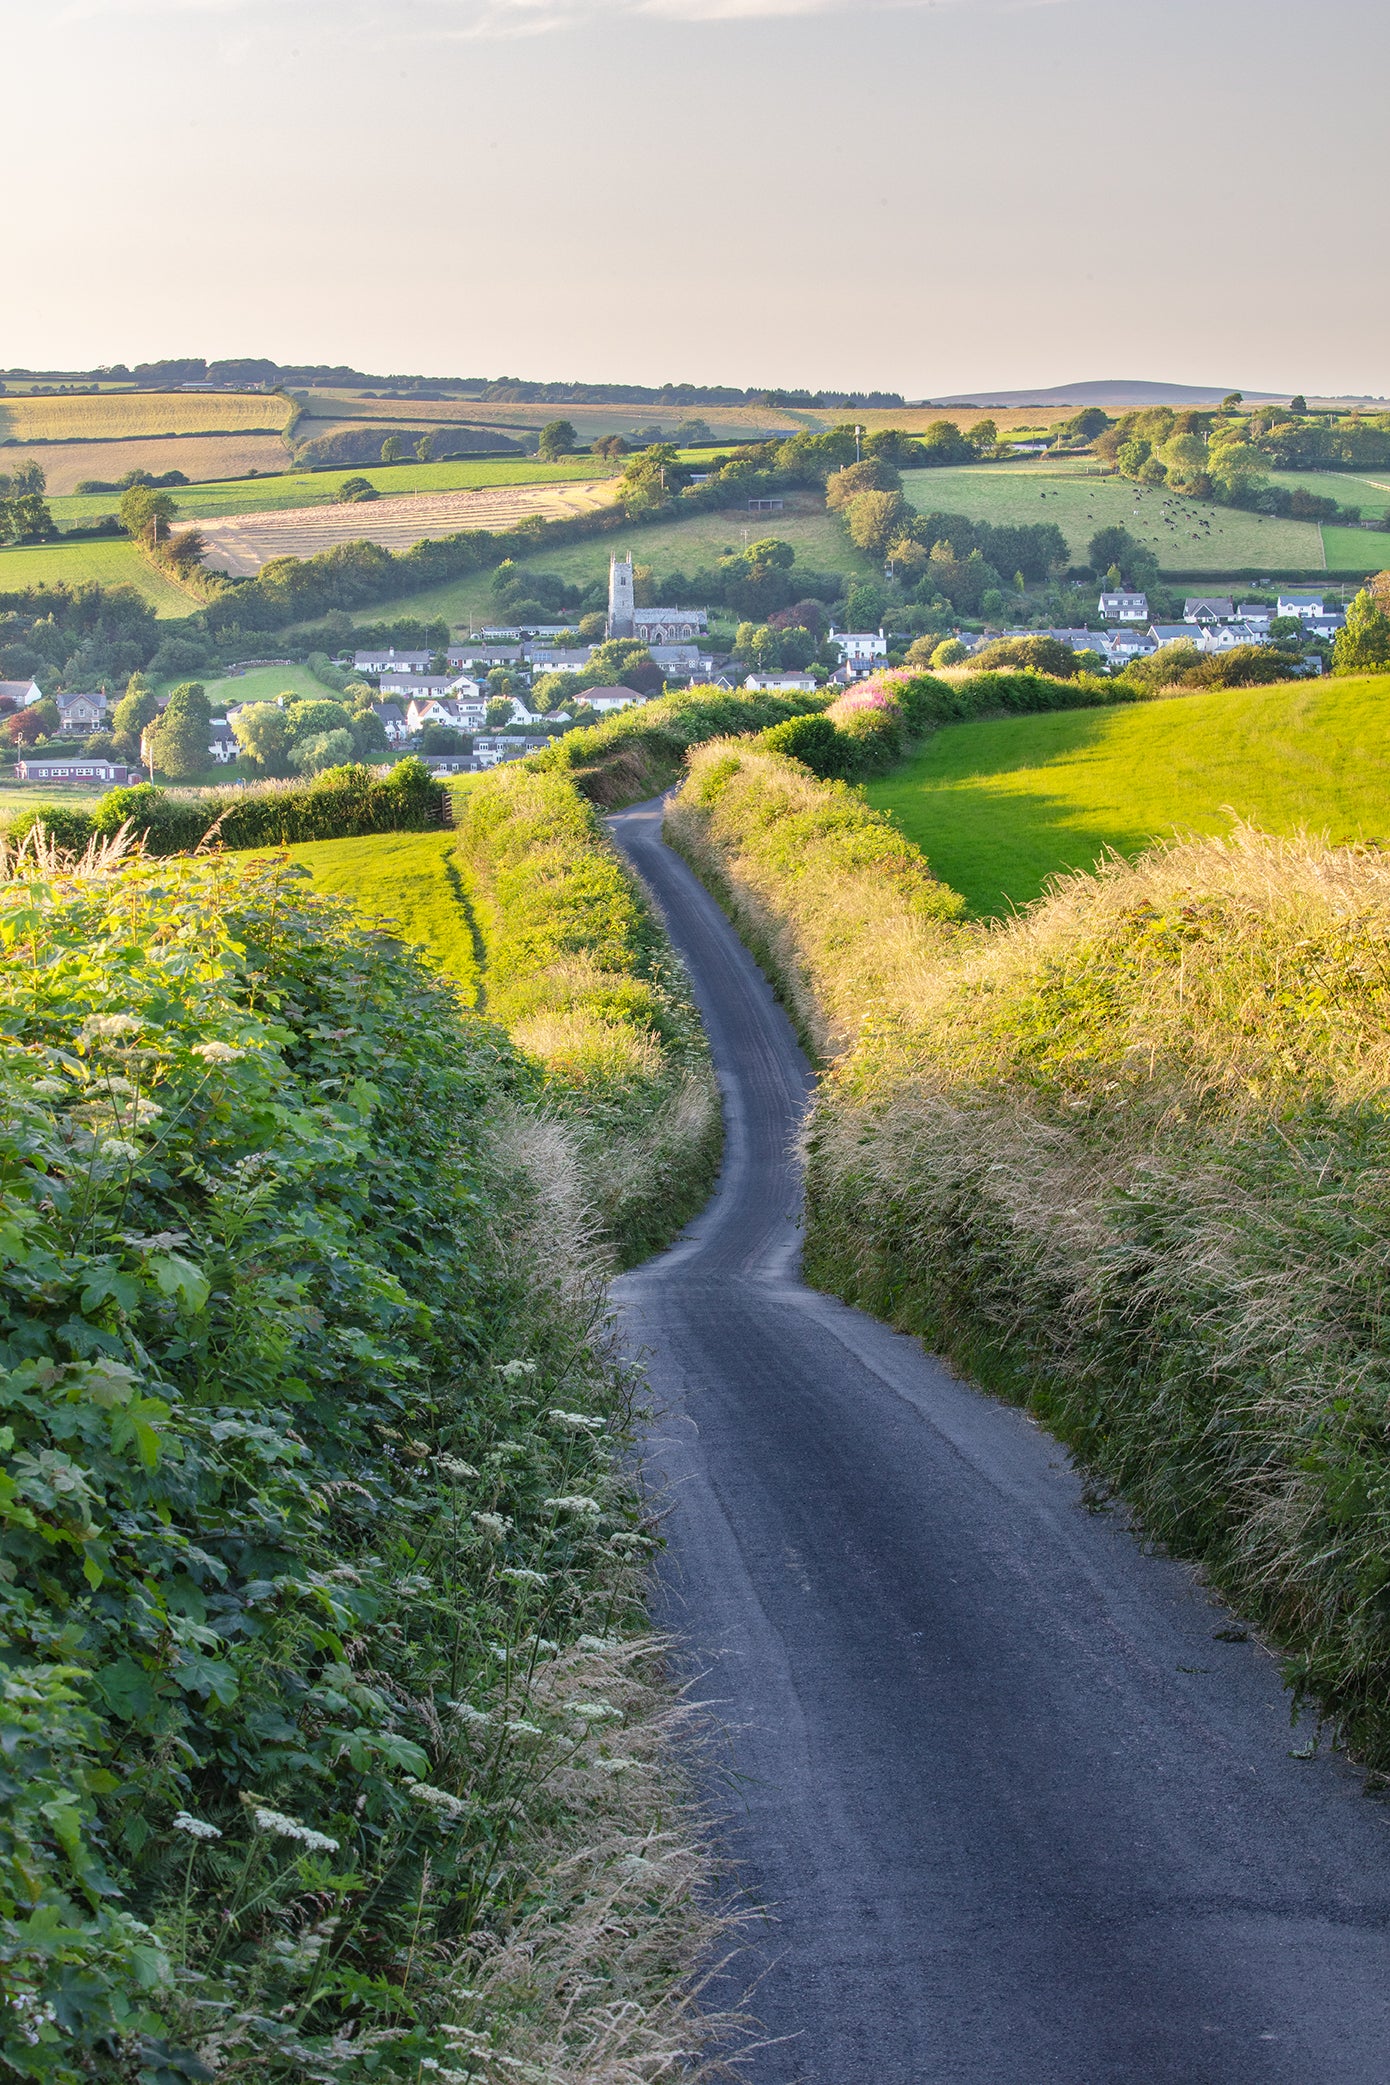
{"points": [[1212, 622]]}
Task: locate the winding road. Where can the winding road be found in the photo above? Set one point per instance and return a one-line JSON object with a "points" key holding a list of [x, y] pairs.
{"points": [[1018, 1811]]}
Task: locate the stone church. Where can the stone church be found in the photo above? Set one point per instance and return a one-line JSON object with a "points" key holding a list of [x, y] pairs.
{"points": [[651, 625]]}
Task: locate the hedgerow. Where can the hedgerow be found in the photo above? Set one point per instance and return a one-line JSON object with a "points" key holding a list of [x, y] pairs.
{"points": [[322, 1751], [339, 804], [1125, 1158], [641, 751], [578, 970]]}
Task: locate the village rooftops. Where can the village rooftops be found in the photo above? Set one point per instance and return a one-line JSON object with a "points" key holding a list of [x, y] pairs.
{"points": [[1124, 605], [1209, 608], [388, 660], [20, 694]]}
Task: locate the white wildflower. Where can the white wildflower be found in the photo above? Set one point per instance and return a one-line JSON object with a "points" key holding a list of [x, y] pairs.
{"points": [[452, 1467], [119, 1147], [575, 1422], [595, 1711], [516, 1574], [493, 1525], [266, 1820], [196, 1827], [106, 1027], [518, 1727], [217, 1052], [628, 1538], [48, 1087], [513, 1369], [599, 1643], [466, 1713], [436, 1798], [574, 1502], [618, 1765]]}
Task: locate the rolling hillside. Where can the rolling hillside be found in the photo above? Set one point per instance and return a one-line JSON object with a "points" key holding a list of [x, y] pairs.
{"points": [[999, 806]]}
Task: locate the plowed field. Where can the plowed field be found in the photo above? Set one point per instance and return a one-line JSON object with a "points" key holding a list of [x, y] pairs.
{"points": [[242, 543]]}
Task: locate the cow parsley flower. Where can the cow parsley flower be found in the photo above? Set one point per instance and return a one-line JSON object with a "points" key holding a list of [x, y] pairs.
{"points": [[517, 1574], [217, 1052], [513, 1369], [196, 1827], [119, 1147], [266, 1820], [452, 1467], [436, 1798], [107, 1027], [574, 1502], [493, 1525], [575, 1422]]}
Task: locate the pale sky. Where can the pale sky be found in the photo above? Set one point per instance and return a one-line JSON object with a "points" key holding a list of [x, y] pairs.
{"points": [[920, 195]]}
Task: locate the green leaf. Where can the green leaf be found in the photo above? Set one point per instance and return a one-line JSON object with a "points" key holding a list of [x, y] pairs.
{"points": [[179, 1277]]}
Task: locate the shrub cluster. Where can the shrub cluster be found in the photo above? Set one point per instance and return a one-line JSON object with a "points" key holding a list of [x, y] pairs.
{"points": [[578, 970], [639, 752], [313, 1539], [1124, 1158], [339, 804]]}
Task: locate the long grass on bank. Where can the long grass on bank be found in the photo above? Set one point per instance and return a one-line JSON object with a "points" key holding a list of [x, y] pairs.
{"points": [[1126, 1158]]}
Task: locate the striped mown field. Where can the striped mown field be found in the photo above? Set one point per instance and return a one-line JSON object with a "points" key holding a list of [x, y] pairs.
{"points": [[116, 415]]}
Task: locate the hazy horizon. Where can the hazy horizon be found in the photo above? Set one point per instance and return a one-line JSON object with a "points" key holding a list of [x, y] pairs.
{"points": [[908, 195]]}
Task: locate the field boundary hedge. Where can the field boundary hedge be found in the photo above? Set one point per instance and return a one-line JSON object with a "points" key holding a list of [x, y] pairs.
{"points": [[1122, 1158]]}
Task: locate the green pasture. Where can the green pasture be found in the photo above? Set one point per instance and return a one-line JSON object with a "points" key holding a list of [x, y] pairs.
{"points": [[1368, 490], [408, 883], [319, 488], [21, 796], [108, 562], [1355, 549], [999, 806], [264, 683], [670, 545], [1187, 535]]}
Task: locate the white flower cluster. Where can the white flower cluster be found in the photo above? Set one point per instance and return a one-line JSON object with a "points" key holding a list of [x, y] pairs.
{"points": [[512, 1370], [466, 1713], [575, 1422], [595, 1711], [108, 1027], [493, 1525], [217, 1052], [119, 1147], [452, 1467], [436, 1798], [517, 1574], [196, 1827], [266, 1820], [574, 1502]]}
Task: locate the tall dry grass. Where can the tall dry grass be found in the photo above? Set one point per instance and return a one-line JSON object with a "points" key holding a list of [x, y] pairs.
{"points": [[1127, 1158]]}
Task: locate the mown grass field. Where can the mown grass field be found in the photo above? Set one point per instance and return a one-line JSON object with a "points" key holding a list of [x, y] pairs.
{"points": [[264, 683], [21, 796], [1368, 490], [116, 415], [1355, 549], [820, 543], [409, 883], [1187, 535], [319, 488], [66, 465], [999, 806], [110, 562]]}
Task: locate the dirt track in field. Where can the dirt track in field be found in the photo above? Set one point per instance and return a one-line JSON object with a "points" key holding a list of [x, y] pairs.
{"points": [[242, 543]]}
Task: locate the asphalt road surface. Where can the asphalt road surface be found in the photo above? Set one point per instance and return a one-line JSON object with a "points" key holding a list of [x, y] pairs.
{"points": [[1016, 1813]]}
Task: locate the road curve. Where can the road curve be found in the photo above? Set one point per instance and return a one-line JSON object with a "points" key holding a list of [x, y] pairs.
{"points": [[1019, 1815]]}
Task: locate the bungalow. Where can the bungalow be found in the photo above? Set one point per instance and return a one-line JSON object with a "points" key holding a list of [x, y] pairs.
{"points": [[1124, 606], [781, 683], [1079, 640], [19, 694], [1300, 604], [398, 687], [478, 653], [72, 767], [390, 660], [1175, 633], [448, 763], [682, 661], [78, 713], [1224, 637], [547, 659], [1209, 608], [1325, 626]]}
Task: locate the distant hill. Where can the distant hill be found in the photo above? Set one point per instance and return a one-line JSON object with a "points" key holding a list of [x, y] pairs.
{"points": [[1110, 391]]}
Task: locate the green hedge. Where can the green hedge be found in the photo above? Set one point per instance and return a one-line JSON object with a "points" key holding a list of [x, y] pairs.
{"points": [[641, 751], [339, 804]]}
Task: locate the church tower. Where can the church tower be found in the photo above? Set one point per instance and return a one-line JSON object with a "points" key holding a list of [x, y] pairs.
{"points": [[621, 597]]}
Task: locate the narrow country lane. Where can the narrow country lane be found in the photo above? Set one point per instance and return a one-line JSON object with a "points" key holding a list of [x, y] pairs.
{"points": [[1017, 1813]]}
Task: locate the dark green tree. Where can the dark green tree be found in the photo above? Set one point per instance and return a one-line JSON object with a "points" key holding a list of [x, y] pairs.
{"points": [[558, 438], [179, 740]]}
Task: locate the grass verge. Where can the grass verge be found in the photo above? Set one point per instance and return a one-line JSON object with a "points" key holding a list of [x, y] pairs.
{"points": [[1125, 1159]]}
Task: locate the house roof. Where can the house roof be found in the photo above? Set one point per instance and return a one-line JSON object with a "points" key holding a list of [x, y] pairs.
{"points": [[627, 694]]}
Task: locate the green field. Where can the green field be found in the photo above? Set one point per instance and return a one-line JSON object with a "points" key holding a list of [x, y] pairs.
{"points": [[1187, 535], [818, 538], [1370, 491], [408, 883], [999, 806], [112, 562], [20, 796], [264, 684], [319, 488], [1355, 549]]}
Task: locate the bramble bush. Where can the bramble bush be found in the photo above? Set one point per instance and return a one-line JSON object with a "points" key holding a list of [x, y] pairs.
{"points": [[310, 1513]]}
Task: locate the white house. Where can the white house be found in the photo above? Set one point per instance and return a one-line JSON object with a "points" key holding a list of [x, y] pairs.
{"points": [[78, 713], [478, 653], [437, 709], [392, 719], [1325, 626], [1300, 604], [1119, 647], [390, 660], [781, 683], [605, 700], [1224, 637], [1256, 615], [1124, 606], [20, 694], [860, 647], [222, 745], [548, 659], [399, 687], [1209, 608], [72, 767], [1176, 633], [682, 661]]}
